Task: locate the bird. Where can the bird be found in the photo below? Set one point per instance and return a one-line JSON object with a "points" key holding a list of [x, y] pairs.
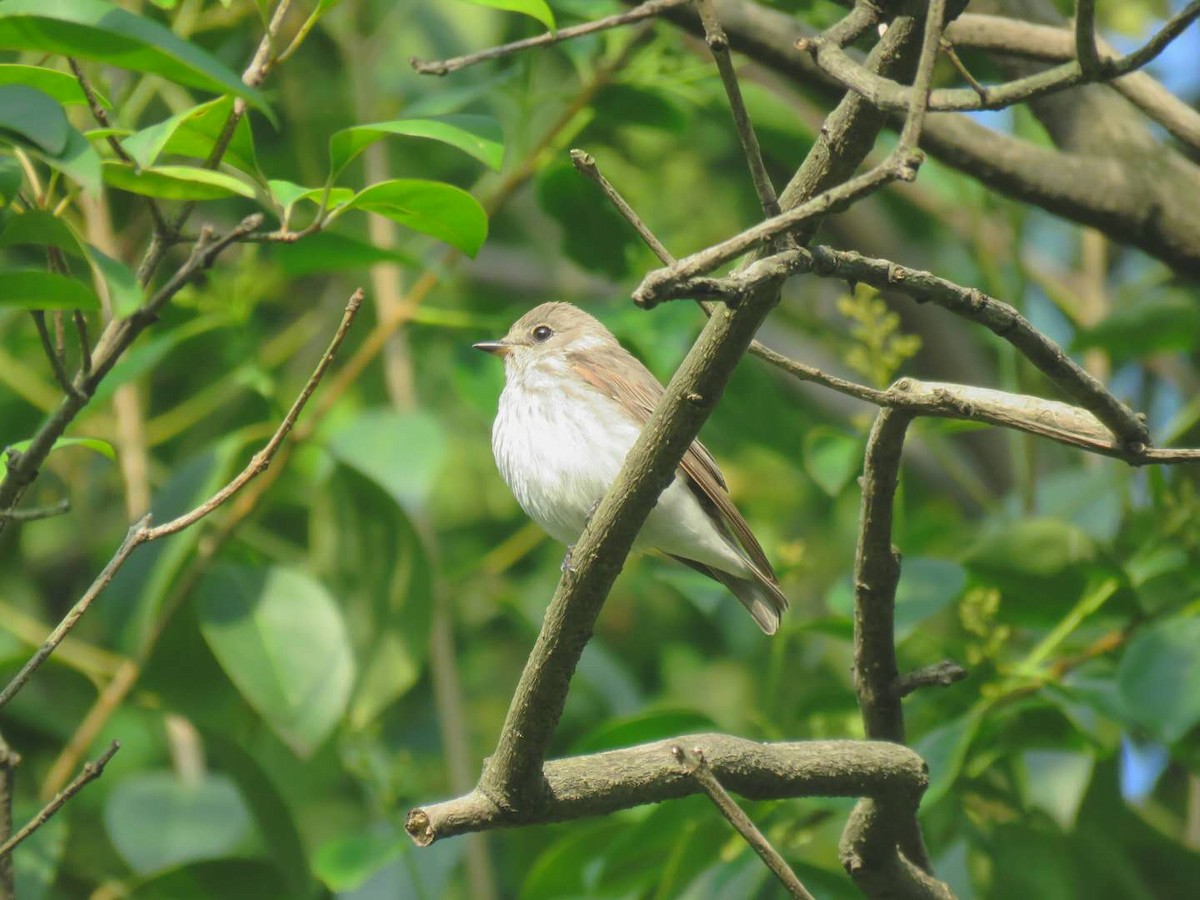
{"points": [[574, 401]]}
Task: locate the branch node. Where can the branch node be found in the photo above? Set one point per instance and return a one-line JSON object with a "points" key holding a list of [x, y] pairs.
{"points": [[942, 674]]}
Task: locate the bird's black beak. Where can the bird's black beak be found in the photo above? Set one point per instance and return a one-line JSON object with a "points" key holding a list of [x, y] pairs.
{"points": [[496, 348]]}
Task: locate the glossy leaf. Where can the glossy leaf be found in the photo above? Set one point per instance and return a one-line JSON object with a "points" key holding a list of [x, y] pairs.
{"points": [[1159, 677], [33, 117], [175, 182], [279, 636], [478, 136], [104, 448], [78, 161], [439, 210], [62, 87], [157, 820], [36, 289], [330, 251], [95, 29], [194, 132], [536, 9]]}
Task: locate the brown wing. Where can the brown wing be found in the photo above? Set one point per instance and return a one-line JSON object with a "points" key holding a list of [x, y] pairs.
{"points": [[640, 392]]}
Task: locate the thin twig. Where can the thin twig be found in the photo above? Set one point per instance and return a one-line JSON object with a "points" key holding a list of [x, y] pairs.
{"points": [[638, 13], [1086, 51], [696, 765], [91, 771], [56, 361], [39, 512], [585, 164], [9, 761], [718, 44], [100, 114], [85, 346], [941, 674], [143, 532], [1000, 318], [951, 54]]}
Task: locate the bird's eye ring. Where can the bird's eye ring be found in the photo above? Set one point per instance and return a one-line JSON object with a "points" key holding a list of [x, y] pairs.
{"points": [[542, 333]]}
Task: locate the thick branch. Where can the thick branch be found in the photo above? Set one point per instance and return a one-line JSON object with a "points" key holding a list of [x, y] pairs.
{"points": [[885, 93], [602, 783]]}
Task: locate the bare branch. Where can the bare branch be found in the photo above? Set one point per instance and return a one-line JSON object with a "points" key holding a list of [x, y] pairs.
{"points": [[887, 94], [638, 13], [696, 765], [942, 674], [40, 512], [91, 771], [9, 760], [718, 44], [998, 317], [57, 364], [1030, 40], [585, 164], [143, 532]]}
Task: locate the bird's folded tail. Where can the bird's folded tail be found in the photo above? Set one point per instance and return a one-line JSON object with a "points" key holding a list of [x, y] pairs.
{"points": [[760, 595]]}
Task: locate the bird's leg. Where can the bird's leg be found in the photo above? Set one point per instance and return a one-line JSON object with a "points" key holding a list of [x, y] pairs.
{"points": [[566, 563]]}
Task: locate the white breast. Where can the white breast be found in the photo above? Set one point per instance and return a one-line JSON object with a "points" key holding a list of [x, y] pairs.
{"points": [[558, 448]]}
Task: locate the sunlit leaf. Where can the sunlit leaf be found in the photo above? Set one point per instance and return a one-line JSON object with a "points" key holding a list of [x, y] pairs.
{"points": [[62, 87], [95, 29], [536, 9], [175, 182], [478, 136], [832, 458], [401, 452], [195, 132], [439, 210], [344, 863]]}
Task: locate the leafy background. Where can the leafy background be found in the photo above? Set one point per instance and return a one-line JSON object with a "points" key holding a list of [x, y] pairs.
{"points": [[289, 689]]}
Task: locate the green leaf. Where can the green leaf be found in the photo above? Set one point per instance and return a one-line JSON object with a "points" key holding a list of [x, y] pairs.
{"points": [[1159, 677], [104, 448], [229, 879], [195, 132], [344, 863], [33, 117], [11, 177], [1036, 547], [537, 9], [593, 233], [157, 819], [287, 194], [280, 637], [642, 728], [927, 586], [401, 452], [439, 210], [79, 161], [269, 809], [123, 289], [944, 750], [42, 228], [59, 85], [1056, 781], [95, 29], [367, 550], [175, 182], [478, 136], [35, 289], [329, 251], [1162, 324], [832, 458]]}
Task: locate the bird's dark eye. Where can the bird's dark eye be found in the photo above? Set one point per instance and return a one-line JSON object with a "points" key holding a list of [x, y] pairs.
{"points": [[542, 333]]}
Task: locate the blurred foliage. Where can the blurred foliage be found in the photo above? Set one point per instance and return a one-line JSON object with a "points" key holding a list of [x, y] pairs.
{"points": [[285, 693]]}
